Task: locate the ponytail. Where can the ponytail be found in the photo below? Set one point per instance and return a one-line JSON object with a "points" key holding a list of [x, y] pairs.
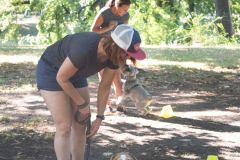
{"points": [[110, 3]]}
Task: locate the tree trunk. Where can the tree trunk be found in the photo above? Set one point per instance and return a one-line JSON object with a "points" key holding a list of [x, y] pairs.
{"points": [[223, 11]]}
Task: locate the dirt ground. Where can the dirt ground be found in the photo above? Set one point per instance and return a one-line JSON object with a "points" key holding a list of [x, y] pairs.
{"points": [[206, 105]]}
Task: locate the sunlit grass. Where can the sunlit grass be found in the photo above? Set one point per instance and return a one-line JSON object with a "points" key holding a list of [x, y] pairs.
{"points": [[5, 119], [35, 51], [32, 122], [22, 72], [225, 57], [17, 74], [211, 56]]}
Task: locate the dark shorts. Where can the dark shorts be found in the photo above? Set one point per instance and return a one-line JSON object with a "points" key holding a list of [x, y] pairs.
{"points": [[46, 78]]}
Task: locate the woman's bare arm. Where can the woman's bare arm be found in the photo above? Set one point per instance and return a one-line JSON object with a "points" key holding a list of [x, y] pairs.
{"points": [[66, 71], [104, 89], [102, 97], [96, 26]]}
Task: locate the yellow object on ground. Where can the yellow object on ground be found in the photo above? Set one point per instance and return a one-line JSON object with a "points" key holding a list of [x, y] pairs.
{"points": [[167, 112], [212, 157]]}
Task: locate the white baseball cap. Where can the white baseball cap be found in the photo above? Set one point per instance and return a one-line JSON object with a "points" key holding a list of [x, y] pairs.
{"points": [[127, 38]]}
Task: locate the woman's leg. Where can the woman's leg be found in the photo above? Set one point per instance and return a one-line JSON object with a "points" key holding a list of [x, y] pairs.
{"points": [[59, 105], [78, 132]]}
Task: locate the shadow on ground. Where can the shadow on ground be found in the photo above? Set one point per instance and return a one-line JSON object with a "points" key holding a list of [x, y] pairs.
{"points": [[148, 138], [23, 144]]}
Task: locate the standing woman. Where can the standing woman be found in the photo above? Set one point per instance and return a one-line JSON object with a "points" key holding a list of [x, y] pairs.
{"points": [[114, 13], [62, 73]]}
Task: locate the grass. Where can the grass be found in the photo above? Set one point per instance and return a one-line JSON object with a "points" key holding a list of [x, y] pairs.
{"points": [[212, 56], [15, 75], [224, 57], [32, 122], [37, 51], [188, 89], [5, 119]]}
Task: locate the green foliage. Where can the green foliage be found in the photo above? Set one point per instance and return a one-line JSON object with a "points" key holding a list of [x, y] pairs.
{"points": [[8, 26], [5, 119], [199, 29], [236, 19], [12, 32], [54, 20], [211, 56], [151, 20], [20, 5], [85, 16], [204, 7], [159, 21], [37, 5], [62, 17]]}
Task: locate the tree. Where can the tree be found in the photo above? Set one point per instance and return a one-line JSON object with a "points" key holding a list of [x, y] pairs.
{"points": [[63, 17], [159, 21], [223, 11]]}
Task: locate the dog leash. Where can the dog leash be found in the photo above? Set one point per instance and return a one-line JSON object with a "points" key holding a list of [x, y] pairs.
{"points": [[88, 141]]}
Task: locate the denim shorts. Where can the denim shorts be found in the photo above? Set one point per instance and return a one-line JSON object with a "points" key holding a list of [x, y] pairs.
{"points": [[46, 78]]}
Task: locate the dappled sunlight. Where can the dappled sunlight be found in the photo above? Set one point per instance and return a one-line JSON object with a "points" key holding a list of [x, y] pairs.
{"points": [[181, 136], [15, 75], [204, 100], [24, 107], [190, 156], [183, 94], [211, 115], [229, 154], [186, 97]]}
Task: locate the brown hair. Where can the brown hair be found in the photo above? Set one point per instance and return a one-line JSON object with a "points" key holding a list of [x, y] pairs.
{"points": [[111, 3], [114, 52]]}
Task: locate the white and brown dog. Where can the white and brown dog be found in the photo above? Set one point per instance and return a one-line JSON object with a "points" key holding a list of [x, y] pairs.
{"points": [[135, 91]]}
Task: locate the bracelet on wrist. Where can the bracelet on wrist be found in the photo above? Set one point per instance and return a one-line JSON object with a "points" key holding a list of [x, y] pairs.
{"points": [[84, 105], [102, 117]]}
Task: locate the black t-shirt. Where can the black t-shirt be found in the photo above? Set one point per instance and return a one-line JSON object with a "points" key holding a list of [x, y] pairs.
{"points": [[81, 48], [108, 16]]}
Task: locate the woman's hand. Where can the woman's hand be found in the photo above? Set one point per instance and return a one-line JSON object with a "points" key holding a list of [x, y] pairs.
{"points": [[95, 127], [82, 115], [82, 118], [113, 24], [85, 110]]}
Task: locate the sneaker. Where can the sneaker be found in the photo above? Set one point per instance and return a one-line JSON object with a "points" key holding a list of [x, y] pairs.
{"points": [[120, 109], [109, 111], [119, 100]]}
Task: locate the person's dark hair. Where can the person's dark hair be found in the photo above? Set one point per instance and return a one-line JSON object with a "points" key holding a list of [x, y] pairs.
{"points": [[114, 52], [111, 3]]}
